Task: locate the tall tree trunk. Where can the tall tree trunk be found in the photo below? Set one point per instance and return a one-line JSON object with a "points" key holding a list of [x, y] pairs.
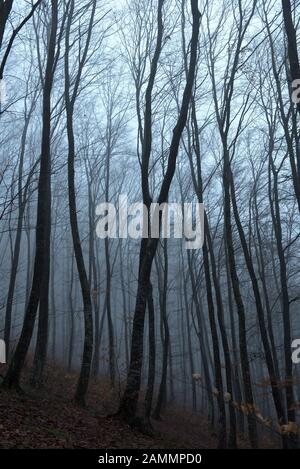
{"points": [[72, 322], [203, 343], [125, 310], [216, 352], [96, 301], [190, 349], [111, 339], [262, 275], [112, 359], [208, 247], [70, 99], [43, 226], [291, 41], [53, 303], [162, 393], [40, 355], [260, 312], [151, 369], [239, 301], [292, 154], [85, 287], [276, 219], [129, 400], [236, 360], [17, 244], [5, 9]]}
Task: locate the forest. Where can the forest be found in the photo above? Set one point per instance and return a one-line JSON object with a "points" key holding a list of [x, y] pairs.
{"points": [[119, 329]]}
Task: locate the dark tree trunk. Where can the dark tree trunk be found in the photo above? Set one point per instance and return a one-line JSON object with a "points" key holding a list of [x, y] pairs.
{"points": [[129, 400], [262, 275], [162, 393], [40, 355], [5, 9], [112, 366], [70, 99], [53, 304], [276, 219], [111, 339], [216, 352], [94, 276], [85, 287], [41, 263], [208, 246], [190, 349], [151, 369], [125, 310], [260, 312], [294, 163], [72, 322], [292, 42], [202, 336], [236, 360], [17, 244], [96, 302], [239, 301]]}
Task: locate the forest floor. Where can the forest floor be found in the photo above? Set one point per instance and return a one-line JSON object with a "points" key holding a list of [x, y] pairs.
{"points": [[49, 419]]}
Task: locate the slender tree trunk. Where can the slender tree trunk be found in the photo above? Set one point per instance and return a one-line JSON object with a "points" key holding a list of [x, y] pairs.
{"points": [[83, 381], [239, 301], [276, 219], [41, 264], [151, 370], [72, 323], [129, 400], [260, 312], [208, 246], [40, 355], [236, 360], [204, 349], [190, 349], [125, 310], [5, 9], [96, 301], [262, 268], [17, 244], [284, 116], [53, 303], [112, 359], [291, 41], [162, 393]]}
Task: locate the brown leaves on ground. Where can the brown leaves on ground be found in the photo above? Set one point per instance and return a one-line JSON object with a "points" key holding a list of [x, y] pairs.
{"points": [[49, 419]]}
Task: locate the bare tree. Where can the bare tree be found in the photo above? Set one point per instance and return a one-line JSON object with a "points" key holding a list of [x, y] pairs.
{"points": [[70, 99], [43, 224], [148, 247]]}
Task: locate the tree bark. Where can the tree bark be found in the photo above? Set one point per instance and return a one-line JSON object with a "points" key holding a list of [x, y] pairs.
{"points": [[152, 351], [43, 226], [128, 405], [83, 381], [292, 42]]}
